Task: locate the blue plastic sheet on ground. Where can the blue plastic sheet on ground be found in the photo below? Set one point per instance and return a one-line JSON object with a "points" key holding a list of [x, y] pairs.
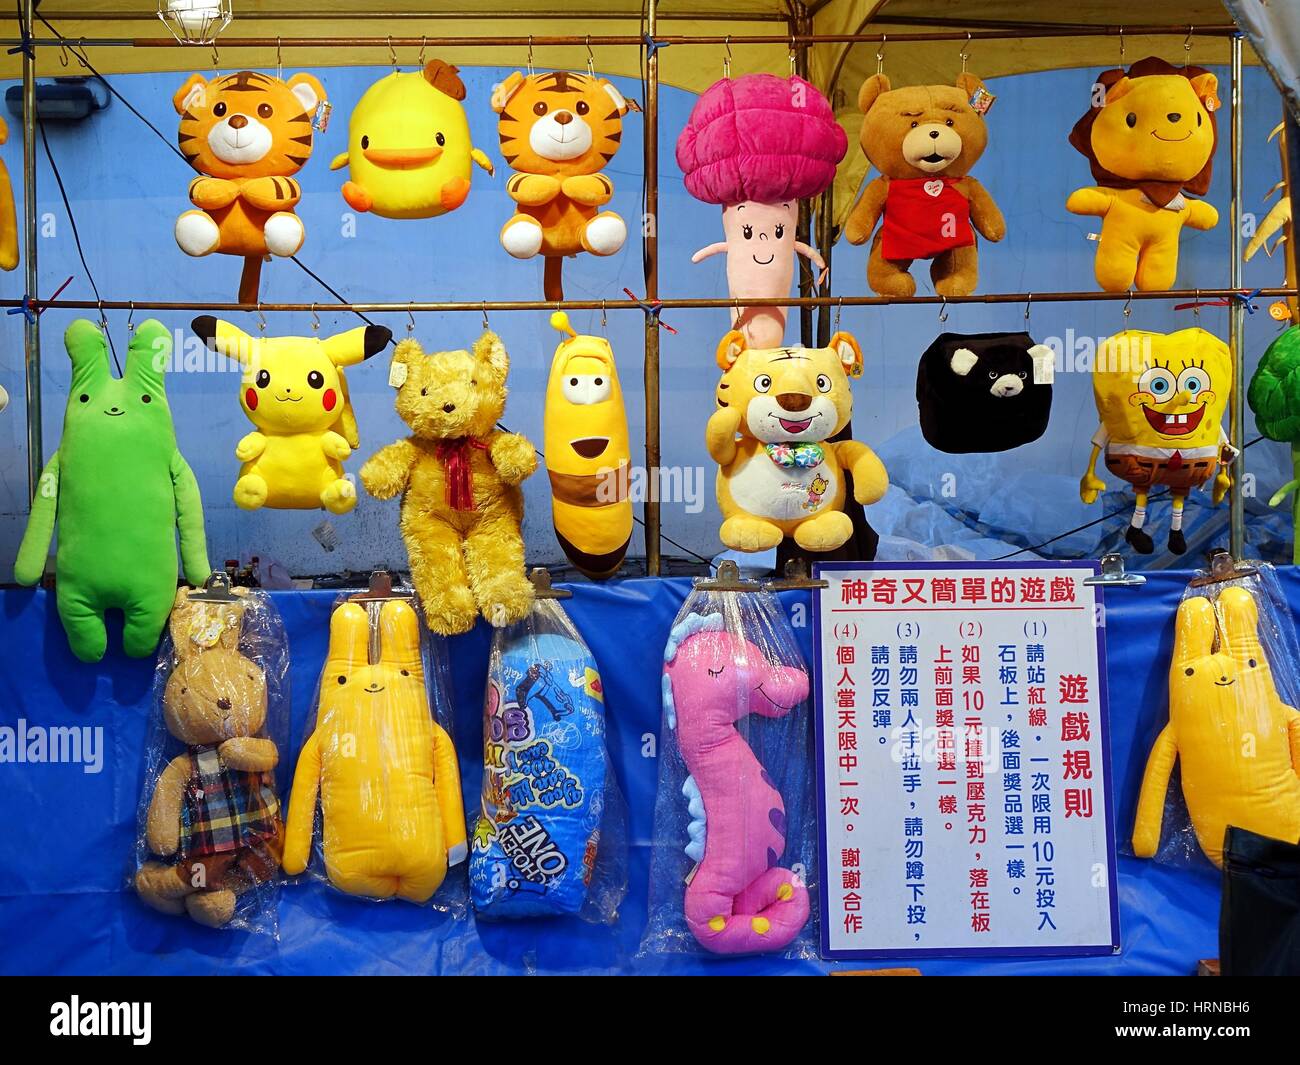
{"points": [[69, 834]]}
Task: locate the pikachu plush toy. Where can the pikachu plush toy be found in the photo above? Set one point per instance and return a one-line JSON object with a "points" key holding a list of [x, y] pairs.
{"points": [[295, 393], [392, 819], [587, 456], [1237, 741]]}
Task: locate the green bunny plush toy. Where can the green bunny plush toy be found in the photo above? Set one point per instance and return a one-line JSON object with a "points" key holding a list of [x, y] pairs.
{"points": [[119, 489]]}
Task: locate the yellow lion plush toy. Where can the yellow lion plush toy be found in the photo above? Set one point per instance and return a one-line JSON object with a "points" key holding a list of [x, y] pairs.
{"points": [[779, 474], [459, 479], [1238, 742], [295, 393], [1149, 138]]}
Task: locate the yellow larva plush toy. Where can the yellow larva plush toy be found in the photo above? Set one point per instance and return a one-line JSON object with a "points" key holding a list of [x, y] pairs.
{"points": [[587, 454], [295, 393]]}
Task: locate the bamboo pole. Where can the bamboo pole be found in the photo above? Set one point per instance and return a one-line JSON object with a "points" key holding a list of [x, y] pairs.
{"points": [[31, 324]]}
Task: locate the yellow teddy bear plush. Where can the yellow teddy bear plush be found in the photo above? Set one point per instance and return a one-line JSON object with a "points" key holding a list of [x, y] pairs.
{"points": [[779, 473], [1149, 137], [459, 477], [385, 771], [1238, 742], [295, 393]]}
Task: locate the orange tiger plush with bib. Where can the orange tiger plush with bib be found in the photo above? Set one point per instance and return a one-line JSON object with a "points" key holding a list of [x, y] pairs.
{"points": [[246, 134], [558, 130]]}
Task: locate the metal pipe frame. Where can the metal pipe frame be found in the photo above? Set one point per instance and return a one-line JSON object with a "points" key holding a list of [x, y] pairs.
{"points": [[650, 261], [31, 323], [1237, 320]]}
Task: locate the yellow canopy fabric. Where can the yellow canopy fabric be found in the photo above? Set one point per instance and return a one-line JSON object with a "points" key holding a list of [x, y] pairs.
{"points": [[837, 69]]}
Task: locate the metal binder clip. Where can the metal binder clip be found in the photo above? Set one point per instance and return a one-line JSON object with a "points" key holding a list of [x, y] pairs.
{"points": [[216, 589], [796, 577], [1112, 574], [1223, 567], [542, 589], [727, 580]]}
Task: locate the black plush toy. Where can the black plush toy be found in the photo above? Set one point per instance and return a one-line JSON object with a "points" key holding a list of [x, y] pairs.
{"points": [[976, 392]]}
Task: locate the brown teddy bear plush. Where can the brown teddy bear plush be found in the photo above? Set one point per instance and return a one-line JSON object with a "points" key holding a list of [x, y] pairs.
{"points": [[923, 139], [214, 808], [459, 479]]}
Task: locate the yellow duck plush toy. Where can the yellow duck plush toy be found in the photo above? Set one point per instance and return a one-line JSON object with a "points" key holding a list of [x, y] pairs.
{"points": [[295, 393], [1149, 139], [1238, 742], [392, 818], [459, 477], [779, 473]]}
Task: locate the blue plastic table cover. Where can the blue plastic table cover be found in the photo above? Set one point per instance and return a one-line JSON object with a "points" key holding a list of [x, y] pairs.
{"points": [[67, 836]]}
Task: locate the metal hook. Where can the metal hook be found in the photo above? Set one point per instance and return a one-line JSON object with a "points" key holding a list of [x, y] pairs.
{"points": [[943, 310], [591, 59], [485, 318], [530, 55], [103, 319], [1029, 299], [424, 43], [216, 59], [1121, 46], [792, 56], [965, 52], [839, 311], [726, 58], [130, 324], [410, 318], [279, 61], [315, 320], [392, 53], [604, 321], [1128, 305], [1187, 44], [63, 55], [261, 319], [880, 53]]}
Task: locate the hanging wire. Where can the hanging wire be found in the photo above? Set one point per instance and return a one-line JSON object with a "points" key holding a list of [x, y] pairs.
{"points": [[76, 237]]}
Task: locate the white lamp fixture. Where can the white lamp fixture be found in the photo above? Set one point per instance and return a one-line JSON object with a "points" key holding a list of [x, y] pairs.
{"points": [[195, 21]]}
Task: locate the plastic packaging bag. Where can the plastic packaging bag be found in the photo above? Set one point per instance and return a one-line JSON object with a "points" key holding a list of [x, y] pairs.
{"points": [[376, 808], [1232, 732], [210, 831], [734, 833], [551, 838]]}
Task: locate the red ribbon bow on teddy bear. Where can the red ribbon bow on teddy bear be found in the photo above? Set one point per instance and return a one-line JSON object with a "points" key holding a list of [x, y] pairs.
{"points": [[455, 457]]}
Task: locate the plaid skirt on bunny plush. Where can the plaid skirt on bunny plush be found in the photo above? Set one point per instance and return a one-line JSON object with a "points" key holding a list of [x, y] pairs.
{"points": [[224, 809]]}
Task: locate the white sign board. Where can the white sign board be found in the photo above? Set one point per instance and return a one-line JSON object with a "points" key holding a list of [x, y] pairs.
{"points": [[962, 750]]}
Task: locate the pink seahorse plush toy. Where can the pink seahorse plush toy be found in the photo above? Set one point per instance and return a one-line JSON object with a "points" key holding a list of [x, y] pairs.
{"points": [[757, 146], [740, 900]]}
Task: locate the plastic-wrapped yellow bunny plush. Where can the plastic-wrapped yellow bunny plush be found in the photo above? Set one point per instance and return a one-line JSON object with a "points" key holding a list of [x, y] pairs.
{"points": [[392, 818], [1238, 742]]}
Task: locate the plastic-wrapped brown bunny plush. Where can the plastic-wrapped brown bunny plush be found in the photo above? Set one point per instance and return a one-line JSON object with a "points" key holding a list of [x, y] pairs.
{"points": [[213, 820]]}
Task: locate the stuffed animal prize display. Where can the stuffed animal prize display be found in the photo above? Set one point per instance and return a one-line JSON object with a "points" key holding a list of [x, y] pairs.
{"points": [[409, 150], [756, 146], [246, 134], [1149, 140], [924, 140], [120, 491]]}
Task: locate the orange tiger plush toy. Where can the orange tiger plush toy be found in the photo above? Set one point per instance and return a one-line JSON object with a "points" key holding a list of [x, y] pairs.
{"points": [[558, 130], [246, 134]]}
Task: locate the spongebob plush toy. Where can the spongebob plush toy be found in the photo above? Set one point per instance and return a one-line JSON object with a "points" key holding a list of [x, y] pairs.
{"points": [[779, 472], [1149, 137], [409, 150], [295, 393], [587, 456], [1160, 399]]}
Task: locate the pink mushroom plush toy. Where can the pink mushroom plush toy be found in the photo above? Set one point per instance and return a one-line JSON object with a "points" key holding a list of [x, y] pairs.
{"points": [[756, 146]]}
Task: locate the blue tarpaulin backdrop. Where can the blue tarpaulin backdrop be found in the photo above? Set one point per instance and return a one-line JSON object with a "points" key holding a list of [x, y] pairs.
{"points": [[68, 836]]}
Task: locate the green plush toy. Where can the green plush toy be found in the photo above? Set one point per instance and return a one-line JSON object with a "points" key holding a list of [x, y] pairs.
{"points": [[119, 489]]}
